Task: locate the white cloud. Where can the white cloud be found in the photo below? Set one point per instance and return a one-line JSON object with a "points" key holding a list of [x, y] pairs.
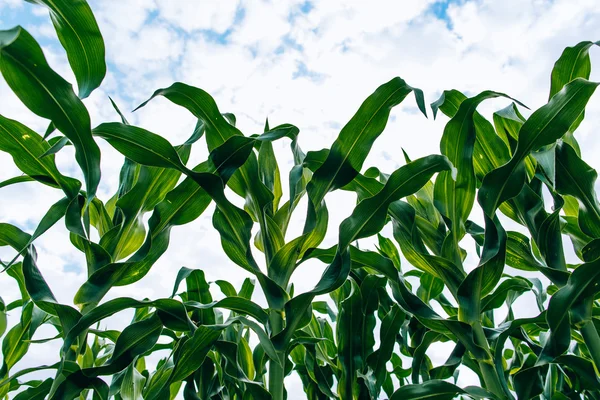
{"points": [[11, 4], [263, 25], [121, 16], [190, 15]]}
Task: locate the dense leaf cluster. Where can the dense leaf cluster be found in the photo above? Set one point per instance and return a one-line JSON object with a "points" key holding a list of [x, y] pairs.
{"points": [[370, 337]]}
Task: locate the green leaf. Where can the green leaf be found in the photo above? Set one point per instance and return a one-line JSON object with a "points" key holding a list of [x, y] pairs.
{"points": [[575, 178], [519, 254], [16, 272], [483, 279], [387, 247], [368, 218], [133, 383], [232, 223], [561, 303], [574, 62], [350, 319], [183, 204], [191, 355], [15, 344], [135, 340], [269, 171], [244, 357], [237, 304], [41, 294], [150, 188], [56, 145], [52, 216], [246, 181], [44, 92], [203, 106], [13, 236], [356, 315], [511, 286], [430, 287], [359, 258], [420, 359], [172, 313], [352, 145], [431, 390], [234, 369], [488, 151], [16, 179], [545, 230], [99, 217], [546, 125], [3, 319], [429, 318], [140, 145], [390, 326], [403, 219], [114, 105], [79, 34], [284, 263], [26, 148], [37, 392], [454, 192]]}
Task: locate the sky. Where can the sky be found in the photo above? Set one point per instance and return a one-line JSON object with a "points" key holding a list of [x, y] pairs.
{"points": [[309, 63]]}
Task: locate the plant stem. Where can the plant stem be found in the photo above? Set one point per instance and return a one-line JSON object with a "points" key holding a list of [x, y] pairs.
{"points": [[488, 369], [592, 341], [491, 380], [276, 371]]}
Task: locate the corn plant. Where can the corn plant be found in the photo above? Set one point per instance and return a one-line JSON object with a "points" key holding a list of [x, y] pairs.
{"points": [[366, 329]]}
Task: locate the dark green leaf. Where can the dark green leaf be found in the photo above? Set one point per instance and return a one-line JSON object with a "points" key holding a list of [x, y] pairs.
{"points": [[79, 34], [44, 92], [545, 126]]}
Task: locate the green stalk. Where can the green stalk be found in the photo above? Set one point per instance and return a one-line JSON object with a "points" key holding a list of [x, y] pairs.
{"points": [[276, 371], [490, 378], [592, 341], [488, 370]]}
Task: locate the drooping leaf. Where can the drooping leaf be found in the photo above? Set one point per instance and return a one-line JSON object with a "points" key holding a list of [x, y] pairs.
{"points": [[367, 219], [351, 147], [454, 193], [79, 34], [434, 389], [546, 125], [45, 93], [390, 326], [26, 148], [575, 178]]}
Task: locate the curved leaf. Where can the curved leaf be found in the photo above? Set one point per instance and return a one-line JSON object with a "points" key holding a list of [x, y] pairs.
{"points": [[545, 126], [352, 145], [79, 34], [44, 92], [27, 148], [574, 177]]}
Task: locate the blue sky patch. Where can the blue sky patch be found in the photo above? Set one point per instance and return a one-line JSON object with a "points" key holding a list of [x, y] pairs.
{"points": [[303, 72], [440, 10], [306, 7]]}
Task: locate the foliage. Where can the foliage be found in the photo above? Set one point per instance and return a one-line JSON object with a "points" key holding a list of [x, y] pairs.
{"points": [[371, 335]]}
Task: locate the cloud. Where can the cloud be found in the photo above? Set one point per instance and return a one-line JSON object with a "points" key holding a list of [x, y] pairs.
{"points": [[262, 27], [215, 16], [11, 4], [150, 48]]}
